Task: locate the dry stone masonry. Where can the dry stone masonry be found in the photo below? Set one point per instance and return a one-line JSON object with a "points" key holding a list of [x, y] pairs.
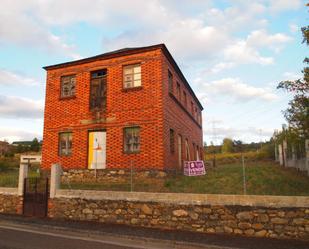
{"points": [[281, 222]]}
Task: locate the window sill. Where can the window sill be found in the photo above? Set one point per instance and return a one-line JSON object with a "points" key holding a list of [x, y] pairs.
{"points": [[129, 153], [137, 88], [64, 155], [67, 98]]}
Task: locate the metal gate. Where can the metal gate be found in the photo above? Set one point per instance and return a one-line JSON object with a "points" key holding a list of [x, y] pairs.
{"points": [[35, 197]]}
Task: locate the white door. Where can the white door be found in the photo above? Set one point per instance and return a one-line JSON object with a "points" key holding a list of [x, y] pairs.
{"points": [[97, 150]]}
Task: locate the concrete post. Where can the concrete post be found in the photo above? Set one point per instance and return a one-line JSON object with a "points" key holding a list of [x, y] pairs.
{"points": [[23, 173], [55, 179], [285, 152], [280, 150]]}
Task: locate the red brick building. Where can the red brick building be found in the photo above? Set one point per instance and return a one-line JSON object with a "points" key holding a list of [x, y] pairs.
{"points": [[132, 105]]}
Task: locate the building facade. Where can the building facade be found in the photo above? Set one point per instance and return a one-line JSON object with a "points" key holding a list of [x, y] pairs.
{"points": [[130, 106]]}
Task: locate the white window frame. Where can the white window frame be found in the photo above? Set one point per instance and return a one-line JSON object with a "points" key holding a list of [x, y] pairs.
{"points": [[132, 76]]}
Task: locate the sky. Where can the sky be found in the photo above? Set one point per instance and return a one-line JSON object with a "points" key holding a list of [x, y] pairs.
{"points": [[233, 54]]}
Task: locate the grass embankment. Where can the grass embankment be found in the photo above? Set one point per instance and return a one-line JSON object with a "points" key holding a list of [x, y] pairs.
{"points": [[9, 170], [262, 178]]}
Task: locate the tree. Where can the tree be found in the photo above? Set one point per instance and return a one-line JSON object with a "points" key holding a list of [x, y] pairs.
{"points": [[297, 113], [35, 145], [227, 145]]}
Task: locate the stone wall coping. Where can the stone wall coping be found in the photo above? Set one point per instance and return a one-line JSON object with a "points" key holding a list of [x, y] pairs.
{"points": [[189, 199], [8, 191]]}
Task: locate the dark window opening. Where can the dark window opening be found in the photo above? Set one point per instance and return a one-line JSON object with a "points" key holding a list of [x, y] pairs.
{"points": [[67, 86], [132, 140], [170, 82], [98, 90], [65, 143]]}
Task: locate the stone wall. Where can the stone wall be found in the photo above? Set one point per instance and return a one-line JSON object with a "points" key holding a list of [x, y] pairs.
{"points": [[110, 175], [259, 216], [10, 202]]}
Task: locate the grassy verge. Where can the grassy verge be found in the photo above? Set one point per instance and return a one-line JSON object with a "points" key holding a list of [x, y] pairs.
{"points": [[9, 170], [262, 178]]}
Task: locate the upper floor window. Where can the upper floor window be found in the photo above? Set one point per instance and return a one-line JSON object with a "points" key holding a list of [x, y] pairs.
{"points": [[184, 99], [170, 82], [132, 76], [68, 86], [98, 90], [172, 141], [132, 140], [178, 91], [65, 143]]}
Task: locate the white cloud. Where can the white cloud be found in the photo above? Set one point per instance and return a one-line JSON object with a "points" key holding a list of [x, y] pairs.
{"points": [[17, 107], [241, 53], [294, 28], [260, 38], [237, 90], [20, 27], [284, 5], [245, 134], [10, 78], [13, 134], [291, 76], [222, 66]]}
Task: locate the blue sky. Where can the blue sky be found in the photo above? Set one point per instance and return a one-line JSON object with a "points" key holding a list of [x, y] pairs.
{"points": [[233, 53]]}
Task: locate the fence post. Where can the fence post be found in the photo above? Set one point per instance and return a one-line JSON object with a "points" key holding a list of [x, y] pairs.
{"points": [[23, 173], [131, 176], [244, 174], [55, 179], [307, 155]]}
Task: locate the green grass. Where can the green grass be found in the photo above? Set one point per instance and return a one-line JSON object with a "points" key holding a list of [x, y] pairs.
{"points": [[262, 178], [9, 170]]}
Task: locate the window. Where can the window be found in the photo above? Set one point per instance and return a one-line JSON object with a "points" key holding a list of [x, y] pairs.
{"points": [[65, 143], [131, 140], [68, 86], [170, 82], [193, 146], [195, 113], [178, 91], [184, 99], [132, 76], [172, 141], [98, 90], [187, 150]]}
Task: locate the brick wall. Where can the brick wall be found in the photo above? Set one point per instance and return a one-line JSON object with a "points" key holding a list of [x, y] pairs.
{"points": [[141, 107], [179, 117]]}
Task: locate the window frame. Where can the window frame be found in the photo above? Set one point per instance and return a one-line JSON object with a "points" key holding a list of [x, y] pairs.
{"points": [[102, 78], [124, 67], [72, 95], [68, 141], [124, 140]]}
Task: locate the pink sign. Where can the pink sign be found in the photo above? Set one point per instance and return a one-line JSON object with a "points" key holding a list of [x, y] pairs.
{"points": [[194, 168]]}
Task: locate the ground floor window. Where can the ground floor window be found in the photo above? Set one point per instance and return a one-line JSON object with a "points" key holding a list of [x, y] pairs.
{"points": [[132, 139], [65, 143]]}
